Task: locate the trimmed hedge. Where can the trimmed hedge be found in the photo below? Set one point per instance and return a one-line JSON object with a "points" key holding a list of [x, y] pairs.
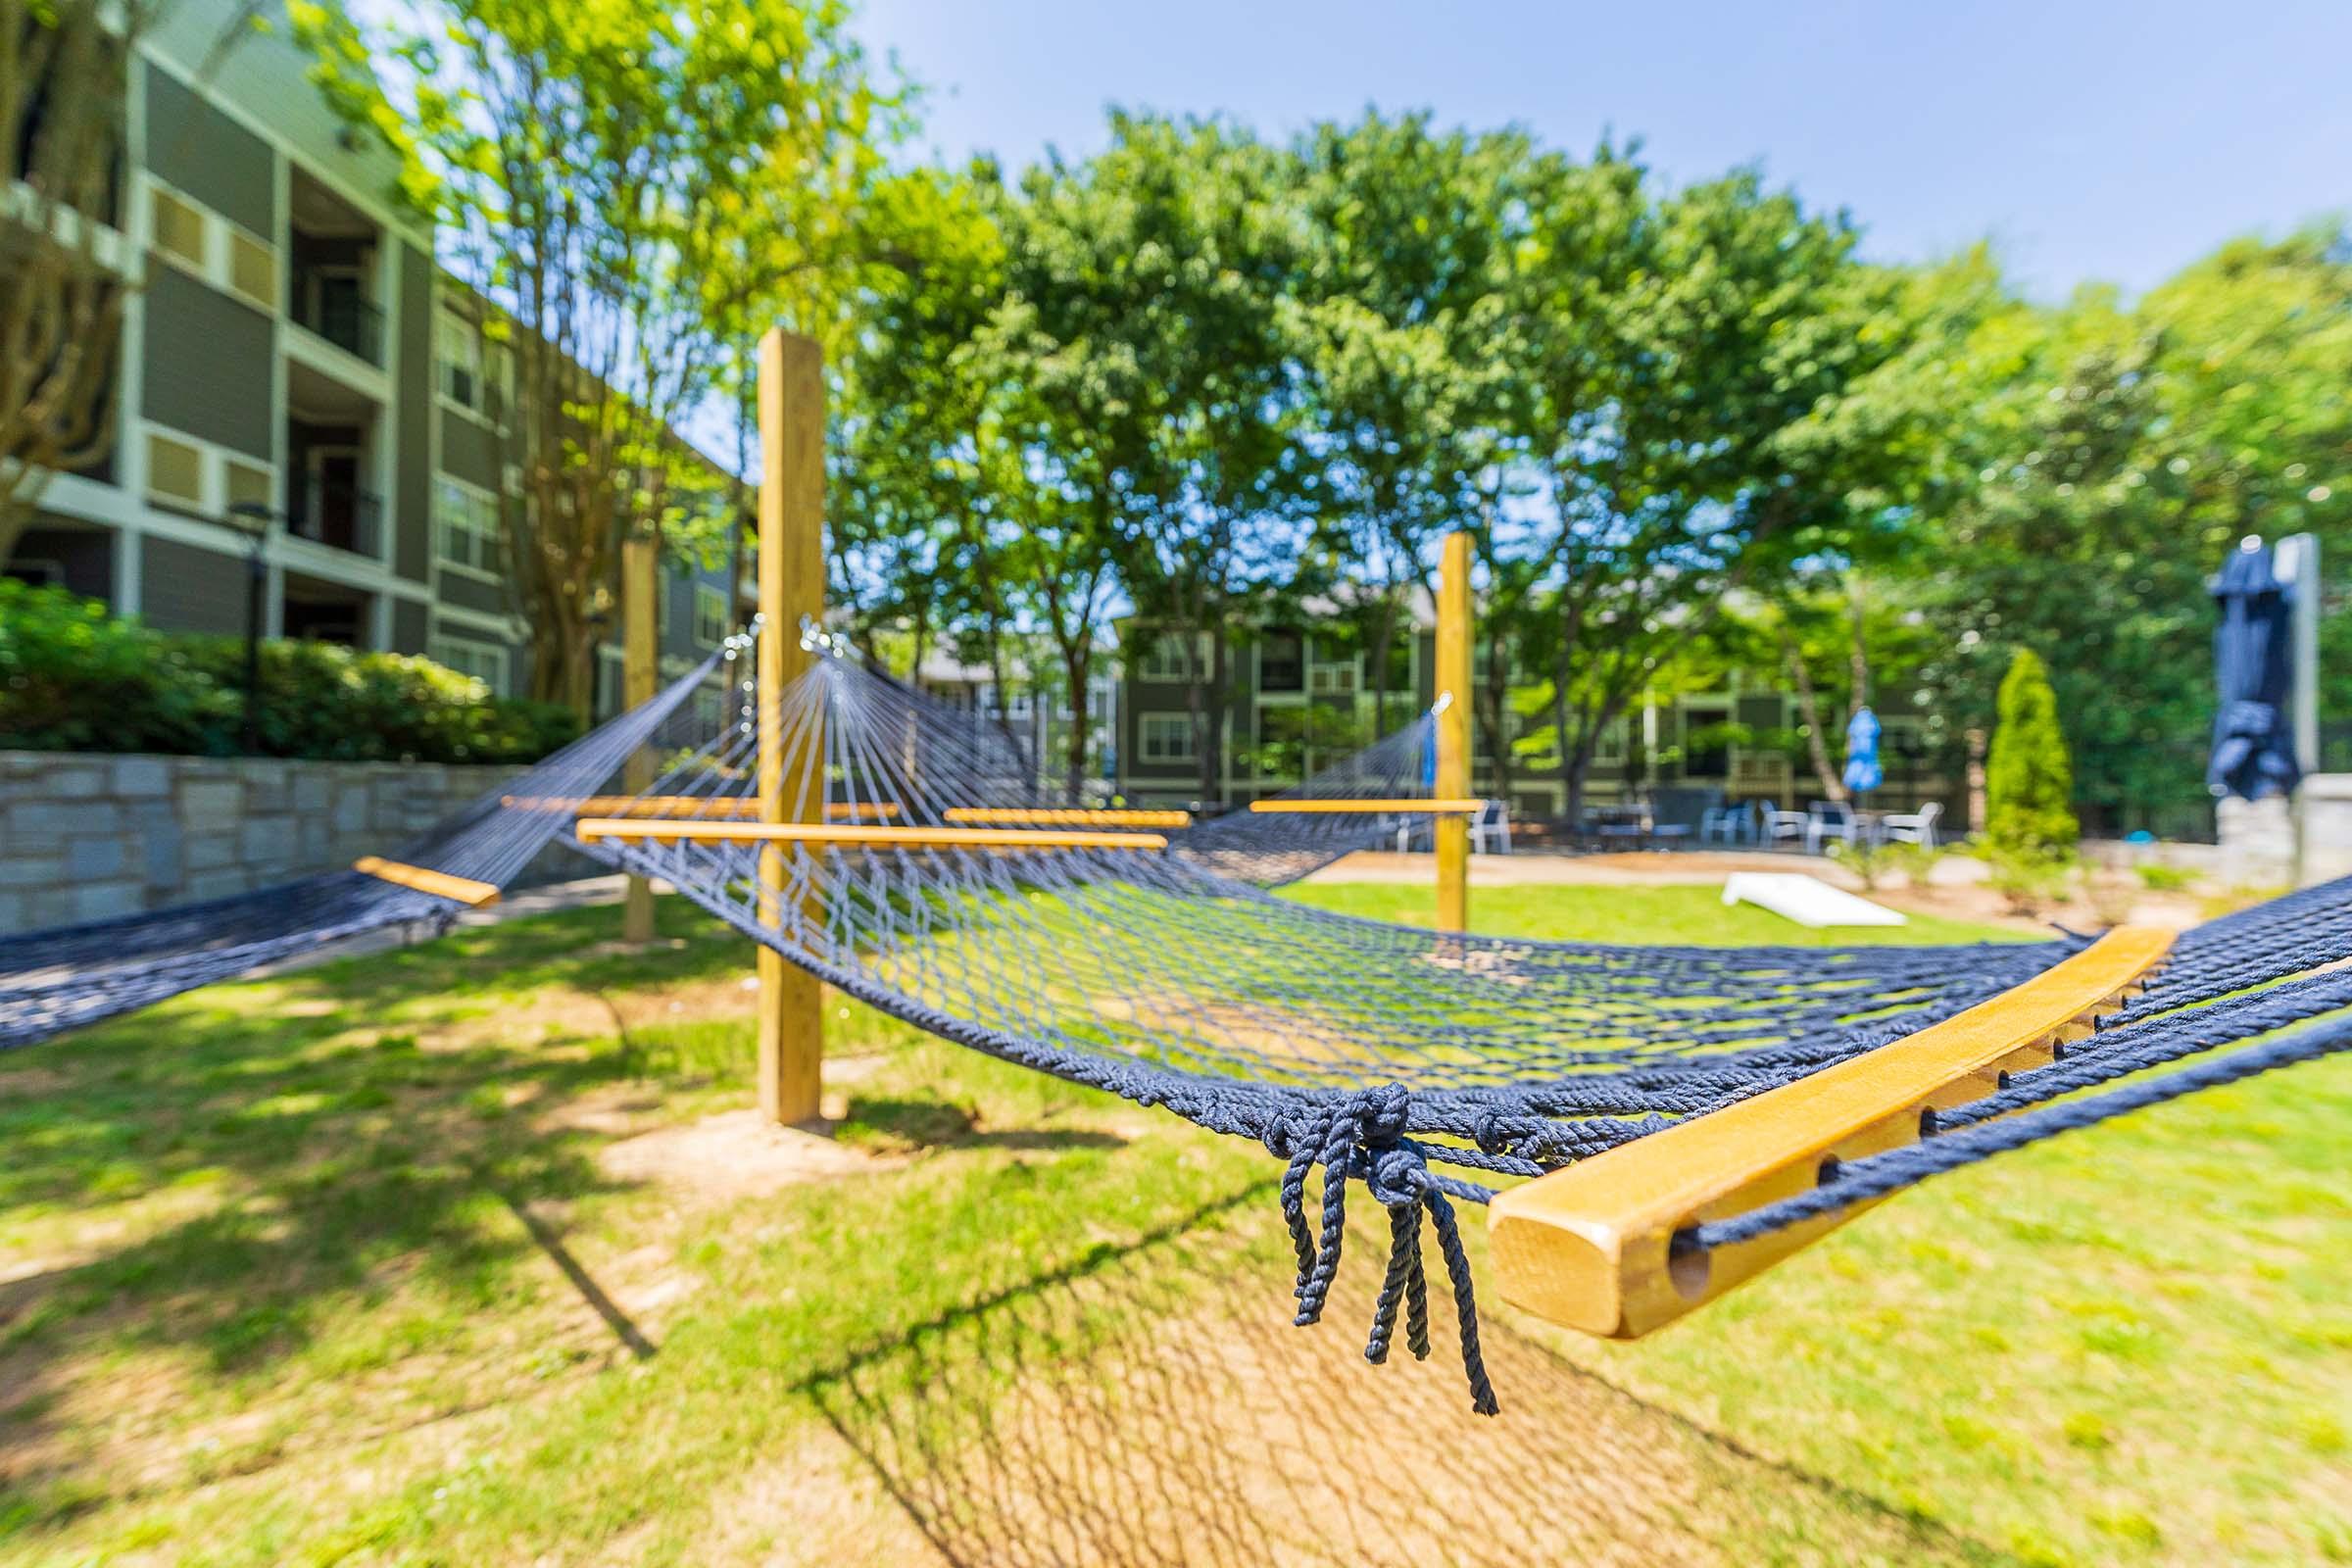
{"points": [[74, 679]]}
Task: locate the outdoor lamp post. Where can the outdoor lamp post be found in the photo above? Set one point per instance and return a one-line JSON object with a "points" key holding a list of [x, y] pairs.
{"points": [[252, 519]]}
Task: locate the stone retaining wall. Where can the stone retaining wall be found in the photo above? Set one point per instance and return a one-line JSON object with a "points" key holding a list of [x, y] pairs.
{"points": [[85, 837]]}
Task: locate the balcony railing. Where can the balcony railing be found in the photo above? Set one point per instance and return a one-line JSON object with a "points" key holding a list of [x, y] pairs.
{"points": [[344, 320], [342, 515]]}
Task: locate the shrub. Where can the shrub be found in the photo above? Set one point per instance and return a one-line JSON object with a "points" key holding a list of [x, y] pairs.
{"points": [[75, 678], [2159, 878], [2029, 783], [1874, 864]]}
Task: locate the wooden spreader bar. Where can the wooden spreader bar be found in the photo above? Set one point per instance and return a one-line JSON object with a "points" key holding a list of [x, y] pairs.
{"points": [[690, 806], [1067, 816], [425, 879], [592, 829], [1592, 1247], [1372, 807]]}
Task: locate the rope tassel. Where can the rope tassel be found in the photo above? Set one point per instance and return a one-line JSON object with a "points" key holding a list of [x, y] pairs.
{"points": [[1365, 1137]]}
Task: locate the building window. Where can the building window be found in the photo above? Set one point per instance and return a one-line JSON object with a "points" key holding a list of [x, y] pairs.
{"points": [[249, 484], [175, 470], [485, 661], [1163, 663], [1282, 662], [1165, 737], [465, 526], [709, 615], [176, 227], [458, 361], [1332, 679], [253, 269], [212, 247], [1609, 745]]}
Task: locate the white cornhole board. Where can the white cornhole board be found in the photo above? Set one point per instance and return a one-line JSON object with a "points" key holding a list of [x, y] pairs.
{"points": [[1808, 901]]}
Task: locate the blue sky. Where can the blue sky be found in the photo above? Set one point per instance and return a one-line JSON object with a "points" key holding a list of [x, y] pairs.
{"points": [[2088, 141]]}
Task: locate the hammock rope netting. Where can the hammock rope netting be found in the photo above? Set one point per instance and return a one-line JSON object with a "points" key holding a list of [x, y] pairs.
{"points": [[59, 979], [1431, 1067]]}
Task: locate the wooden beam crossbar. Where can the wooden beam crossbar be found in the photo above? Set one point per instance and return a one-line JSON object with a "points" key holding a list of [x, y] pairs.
{"points": [[1067, 816], [593, 829], [425, 879], [1592, 1247], [1342, 804], [690, 806]]}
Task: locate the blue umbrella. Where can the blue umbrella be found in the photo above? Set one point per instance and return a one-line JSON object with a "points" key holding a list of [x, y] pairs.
{"points": [[1862, 771], [2253, 750]]}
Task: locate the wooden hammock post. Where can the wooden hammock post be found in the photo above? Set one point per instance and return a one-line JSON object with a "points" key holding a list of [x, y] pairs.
{"points": [[1452, 831], [640, 595], [791, 584]]}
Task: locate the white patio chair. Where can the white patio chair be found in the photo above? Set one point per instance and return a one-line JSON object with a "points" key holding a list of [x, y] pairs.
{"points": [[1722, 824], [1913, 827], [1825, 821], [1785, 827]]}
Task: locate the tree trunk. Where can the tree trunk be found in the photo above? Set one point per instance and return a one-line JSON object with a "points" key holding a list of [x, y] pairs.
{"points": [[1212, 749], [1381, 642], [1808, 712], [1078, 668], [1858, 656]]}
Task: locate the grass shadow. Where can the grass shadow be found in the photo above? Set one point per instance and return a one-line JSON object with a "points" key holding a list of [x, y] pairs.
{"points": [[1153, 1406], [221, 1174]]}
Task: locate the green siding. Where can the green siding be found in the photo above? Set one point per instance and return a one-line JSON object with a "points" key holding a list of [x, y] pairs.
{"points": [[469, 449], [200, 150], [412, 479], [408, 626], [187, 589], [472, 593], [207, 364]]}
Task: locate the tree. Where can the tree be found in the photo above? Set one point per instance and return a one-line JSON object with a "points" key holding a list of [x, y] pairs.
{"points": [[65, 273], [2029, 783], [638, 188], [2092, 463], [1154, 277], [1393, 327], [1681, 356]]}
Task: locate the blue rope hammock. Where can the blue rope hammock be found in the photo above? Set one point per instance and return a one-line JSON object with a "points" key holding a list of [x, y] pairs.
{"points": [[1430, 1067]]}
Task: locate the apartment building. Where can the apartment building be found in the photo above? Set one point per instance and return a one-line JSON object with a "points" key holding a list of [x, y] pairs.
{"points": [[1302, 699], [297, 361], [1033, 708]]}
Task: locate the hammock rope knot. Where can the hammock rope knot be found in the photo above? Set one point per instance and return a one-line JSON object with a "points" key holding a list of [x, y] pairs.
{"points": [[1362, 1136]]}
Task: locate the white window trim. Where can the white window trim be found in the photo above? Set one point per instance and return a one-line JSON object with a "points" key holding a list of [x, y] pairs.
{"points": [[213, 460], [441, 559], [707, 598], [493, 364], [441, 645], [1321, 678], [217, 270], [1150, 672], [1165, 726]]}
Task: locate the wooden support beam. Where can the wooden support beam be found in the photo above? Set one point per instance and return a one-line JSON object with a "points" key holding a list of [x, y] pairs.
{"points": [[640, 670], [1067, 816], [1592, 1247], [425, 879], [857, 836], [689, 806], [791, 584], [1454, 731], [1339, 804]]}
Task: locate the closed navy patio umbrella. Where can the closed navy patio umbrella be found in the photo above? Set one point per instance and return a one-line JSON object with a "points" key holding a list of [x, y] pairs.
{"points": [[2253, 748]]}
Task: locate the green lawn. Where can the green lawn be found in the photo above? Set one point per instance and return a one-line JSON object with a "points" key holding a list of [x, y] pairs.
{"points": [[343, 1267]]}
